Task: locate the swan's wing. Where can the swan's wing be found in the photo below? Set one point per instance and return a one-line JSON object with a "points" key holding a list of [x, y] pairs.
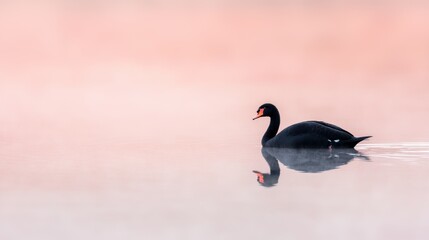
{"points": [[332, 126], [316, 128]]}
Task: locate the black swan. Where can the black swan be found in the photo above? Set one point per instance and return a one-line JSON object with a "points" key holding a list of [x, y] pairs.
{"points": [[309, 134]]}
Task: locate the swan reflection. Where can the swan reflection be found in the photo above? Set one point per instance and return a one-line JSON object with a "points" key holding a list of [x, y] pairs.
{"points": [[303, 160]]}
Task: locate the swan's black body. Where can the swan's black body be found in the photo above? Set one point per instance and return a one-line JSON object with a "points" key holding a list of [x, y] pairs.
{"points": [[309, 134]]}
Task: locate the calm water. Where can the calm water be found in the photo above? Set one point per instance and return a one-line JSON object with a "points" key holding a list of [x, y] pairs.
{"points": [[131, 190]]}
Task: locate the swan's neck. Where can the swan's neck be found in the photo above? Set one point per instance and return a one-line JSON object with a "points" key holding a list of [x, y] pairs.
{"points": [[272, 128]]}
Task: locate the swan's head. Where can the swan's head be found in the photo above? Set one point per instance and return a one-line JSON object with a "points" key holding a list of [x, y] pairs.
{"points": [[266, 110]]}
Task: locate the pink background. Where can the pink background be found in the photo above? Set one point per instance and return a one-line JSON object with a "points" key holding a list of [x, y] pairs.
{"points": [[198, 72]]}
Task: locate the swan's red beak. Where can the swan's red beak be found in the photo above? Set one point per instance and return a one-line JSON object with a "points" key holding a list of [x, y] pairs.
{"points": [[260, 114], [260, 176]]}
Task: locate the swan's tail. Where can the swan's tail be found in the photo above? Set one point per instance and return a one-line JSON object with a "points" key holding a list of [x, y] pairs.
{"points": [[351, 143]]}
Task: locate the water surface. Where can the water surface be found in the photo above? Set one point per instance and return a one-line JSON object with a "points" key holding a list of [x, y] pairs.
{"points": [[200, 191]]}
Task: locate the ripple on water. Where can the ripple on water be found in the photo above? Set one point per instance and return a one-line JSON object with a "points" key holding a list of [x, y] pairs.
{"points": [[407, 151]]}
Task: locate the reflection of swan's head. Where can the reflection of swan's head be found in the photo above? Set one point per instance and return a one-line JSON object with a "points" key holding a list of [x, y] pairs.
{"points": [[267, 180], [266, 110]]}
